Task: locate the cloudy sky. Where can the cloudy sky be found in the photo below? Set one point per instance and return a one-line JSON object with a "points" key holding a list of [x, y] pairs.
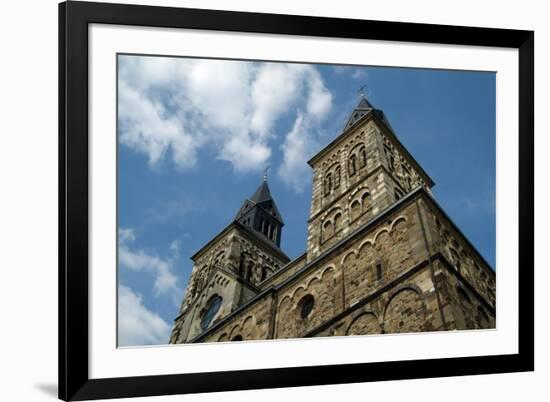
{"points": [[195, 136]]}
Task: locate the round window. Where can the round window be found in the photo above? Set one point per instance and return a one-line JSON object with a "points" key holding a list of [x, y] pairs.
{"points": [[306, 305], [210, 312]]}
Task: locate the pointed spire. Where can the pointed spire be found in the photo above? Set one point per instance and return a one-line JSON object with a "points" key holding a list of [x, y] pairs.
{"points": [[262, 194], [262, 199], [259, 214], [363, 108]]}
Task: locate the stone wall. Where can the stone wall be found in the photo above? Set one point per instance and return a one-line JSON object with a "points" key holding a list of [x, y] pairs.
{"points": [[463, 307], [408, 305], [253, 322], [405, 176], [389, 277], [337, 157], [230, 268], [461, 255], [381, 257], [284, 273], [343, 192]]}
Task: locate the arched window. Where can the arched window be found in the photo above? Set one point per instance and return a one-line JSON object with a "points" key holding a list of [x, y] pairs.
{"points": [[362, 157], [249, 270], [199, 279], [264, 272], [211, 311], [391, 162], [379, 271], [365, 201], [217, 261], [265, 226], [327, 230], [355, 209], [352, 165], [328, 184], [305, 305], [237, 338], [241, 266], [337, 177], [337, 222]]}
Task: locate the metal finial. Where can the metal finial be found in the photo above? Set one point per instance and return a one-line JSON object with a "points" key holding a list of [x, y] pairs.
{"points": [[265, 172]]}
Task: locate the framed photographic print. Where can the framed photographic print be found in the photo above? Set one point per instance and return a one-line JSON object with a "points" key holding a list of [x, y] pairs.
{"points": [[258, 200]]}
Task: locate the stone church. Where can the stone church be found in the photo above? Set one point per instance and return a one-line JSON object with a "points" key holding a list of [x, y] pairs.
{"points": [[381, 256]]}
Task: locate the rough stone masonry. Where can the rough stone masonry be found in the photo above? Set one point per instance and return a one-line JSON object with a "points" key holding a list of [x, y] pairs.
{"points": [[381, 256]]}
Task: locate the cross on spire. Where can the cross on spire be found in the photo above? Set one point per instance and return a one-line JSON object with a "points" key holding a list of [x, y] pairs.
{"points": [[265, 172]]}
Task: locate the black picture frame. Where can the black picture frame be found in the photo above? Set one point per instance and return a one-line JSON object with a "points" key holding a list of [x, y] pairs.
{"points": [[74, 18]]}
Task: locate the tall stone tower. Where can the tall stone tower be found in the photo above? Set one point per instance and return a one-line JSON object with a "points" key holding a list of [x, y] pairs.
{"points": [[358, 175], [381, 256], [228, 269]]}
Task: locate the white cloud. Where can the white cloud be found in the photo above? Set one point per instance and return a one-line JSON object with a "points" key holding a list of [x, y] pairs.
{"points": [[175, 248], [275, 89], [320, 99], [173, 107], [146, 128], [126, 235], [298, 146], [166, 282], [359, 74], [354, 72], [137, 325]]}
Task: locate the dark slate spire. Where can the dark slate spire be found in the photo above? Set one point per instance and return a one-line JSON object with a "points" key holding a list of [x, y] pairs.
{"points": [[362, 108], [260, 213], [262, 194]]}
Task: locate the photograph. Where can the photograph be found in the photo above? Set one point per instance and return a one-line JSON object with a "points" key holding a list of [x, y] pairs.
{"points": [[268, 200]]}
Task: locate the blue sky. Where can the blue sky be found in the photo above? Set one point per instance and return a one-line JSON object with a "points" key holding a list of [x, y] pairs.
{"points": [[195, 135]]}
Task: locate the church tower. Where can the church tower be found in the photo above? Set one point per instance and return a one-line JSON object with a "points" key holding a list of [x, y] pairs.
{"points": [[382, 256], [229, 269], [358, 175]]}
